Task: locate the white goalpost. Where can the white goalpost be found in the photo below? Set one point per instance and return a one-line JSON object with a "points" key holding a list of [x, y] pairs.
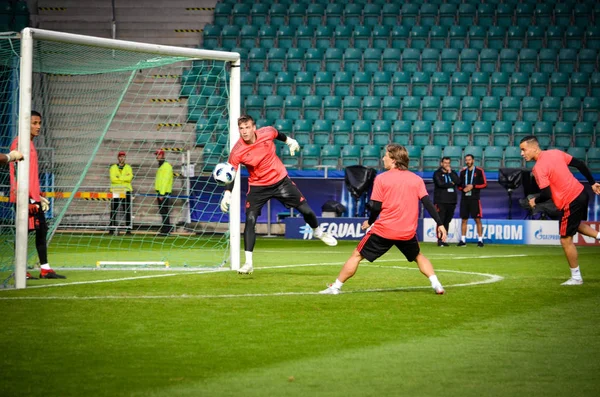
{"points": [[64, 56]]}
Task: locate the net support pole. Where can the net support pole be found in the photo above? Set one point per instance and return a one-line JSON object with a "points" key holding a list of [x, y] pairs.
{"points": [[22, 215], [234, 135]]}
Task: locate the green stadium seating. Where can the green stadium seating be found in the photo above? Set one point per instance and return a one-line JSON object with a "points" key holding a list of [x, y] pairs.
{"points": [[401, 83], [429, 60], [371, 14], [442, 132], [567, 60], [593, 159], [449, 60], [582, 14], [460, 84], [222, 15], [492, 157], [583, 134], [371, 156], [431, 157], [480, 84], [277, 14], [539, 84], [389, 14], [563, 134], [273, 107], [411, 58], [512, 157], [563, 13], [421, 133], [333, 59], [254, 105], [454, 152], [420, 83], [559, 84], [591, 109], [461, 133], [488, 60], [361, 37], [284, 125], [211, 155], [587, 60], [350, 155], [515, 38], [248, 34], [401, 132], [510, 107], [485, 14], [342, 36], [554, 37], [265, 83], [371, 108], [490, 108], [570, 109], [351, 107], [312, 107], [399, 36], [577, 152], [332, 106], [438, 37], [266, 36], [292, 107], [508, 59], [361, 82], [409, 14], [470, 108], [428, 13], [323, 83], [295, 60], [371, 59], [499, 84], [414, 155], [466, 14], [419, 36], [410, 108], [496, 37], [502, 133], [285, 36], [574, 37], [284, 83], [550, 110], [390, 107], [304, 83], [477, 36], [543, 132], [333, 14], [380, 36], [382, 83], [547, 58], [430, 107], [504, 14], [342, 83], [595, 84], [305, 36], [315, 14], [482, 131], [457, 36], [447, 14], [475, 151], [543, 14], [521, 130], [391, 59], [530, 109], [450, 108], [323, 35], [311, 156], [296, 15], [524, 14], [204, 131], [469, 60], [592, 37]]}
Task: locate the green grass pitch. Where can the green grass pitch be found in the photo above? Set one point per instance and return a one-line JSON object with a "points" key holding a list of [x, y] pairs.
{"points": [[504, 328]]}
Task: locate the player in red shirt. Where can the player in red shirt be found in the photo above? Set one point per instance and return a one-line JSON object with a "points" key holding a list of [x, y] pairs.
{"points": [[395, 200], [268, 179], [37, 203], [552, 174]]}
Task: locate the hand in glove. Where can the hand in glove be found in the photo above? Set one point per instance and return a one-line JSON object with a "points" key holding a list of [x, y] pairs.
{"points": [[45, 204], [293, 145], [15, 155], [225, 201]]}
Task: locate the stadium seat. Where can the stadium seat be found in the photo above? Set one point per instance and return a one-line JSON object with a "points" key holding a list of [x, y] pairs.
{"points": [[410, 108], [447, 14], [420, 83], [248, 34], [431, 157], [547, 60], [583, 134], [361, 82], [574, 37], [382, 126], [430, 106], [563, 134], [311, 107], [429, 60], [322, 136], [371, 59], [595, 84], [311, 156], [419, 36], [351, 107], [341, 137], [528, 60], [539, 83], [204, 131], [477, 36], [504, 14], [492, 157], [450, 108], [295, 60], [304, 83], [592, 37], [361, 131], [591, 109], [515, 37], [257, 59], [353, 14], [593, 159], [390, 107], [265, 83], [371, 14], [480, 82], [211, 155], [554, 37], [582, 14], [248, 82], [457, 36], [401, 132], [254, 105], [292, 107], [499, 84], [382, 82], [563, 13], [469, 60], [399, 37], [371, 107], [315, 14], [488, 60], [567, 60], [460, 84], [440, 83], [350, 155], [380, 36], [461, 133], [222, 14], [401, 83], [524, 14], [409, 14], [333, 14], [470, 108], [475, 151], [543, 132], [570, 109], [296, 15], [389, 14], [323, 83], [285, 36], [510, 107], [559, 84], [342, 83], [454, 152], [442, 132], [277, 14], [587, 60], [508, 59], [342, 36], [449, 60], [266, 36], [486, 14], [284, 83], [323, 36], [333, 59], [521, 130], [305, 36], [519, 84], [273, 107], [496, 37], [577, 152], [411, 58], [414, 155], [438, 37], [512, 157], [371, 156], [482, 131], [284, 125], [361, 37], [550, 110], [428, 13], [391, 59], [543, 14], [331, 107], [229, 36], [466, 14], [502, 133], [421, 133], [211, 36]]}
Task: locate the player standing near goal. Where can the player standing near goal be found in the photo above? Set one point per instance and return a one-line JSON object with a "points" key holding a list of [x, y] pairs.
{"points": [[394, 218], [37, 204], [268, 179], [163, 184], [557, 183], [13, 156], [121, 176]]}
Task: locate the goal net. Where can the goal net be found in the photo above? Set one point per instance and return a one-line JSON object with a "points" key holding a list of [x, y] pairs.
{"points": [[100, 98]]}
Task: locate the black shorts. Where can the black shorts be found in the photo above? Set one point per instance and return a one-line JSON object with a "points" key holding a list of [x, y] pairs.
{"points": [[470, 208], [285, 191], [373, 246], [573, 215], [37, 219]]}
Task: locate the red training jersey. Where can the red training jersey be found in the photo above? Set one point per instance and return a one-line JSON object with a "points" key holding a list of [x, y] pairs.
{"points": [[263, 165], [34, 179], [552, 169], [399, 192]]}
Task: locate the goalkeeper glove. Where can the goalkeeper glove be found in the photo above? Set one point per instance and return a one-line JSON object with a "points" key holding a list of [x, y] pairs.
{"points": [[293, 145], [225, 201], [45, 204], [14, 155]]}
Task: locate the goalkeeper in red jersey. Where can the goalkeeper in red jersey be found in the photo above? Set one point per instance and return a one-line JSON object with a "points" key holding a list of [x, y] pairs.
{"points": [[268, 179]]}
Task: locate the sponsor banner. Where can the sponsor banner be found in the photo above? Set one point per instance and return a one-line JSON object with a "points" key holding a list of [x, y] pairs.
{"points": [[542, 233], [580, 239], [495, 231], [340, 228]]}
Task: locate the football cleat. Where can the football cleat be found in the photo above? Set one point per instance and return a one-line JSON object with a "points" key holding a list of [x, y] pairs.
{"points": [[439, 289], [461, 244], [30, 276], [480, 244], [246, 269], [331, 290], [328, 239], [47, 274], [442, 244], [573, 281]]}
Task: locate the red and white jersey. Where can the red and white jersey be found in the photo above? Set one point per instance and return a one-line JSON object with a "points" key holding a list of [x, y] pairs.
{"points": [[399, 192], [260, 158], [552, 169], [34, 178]]}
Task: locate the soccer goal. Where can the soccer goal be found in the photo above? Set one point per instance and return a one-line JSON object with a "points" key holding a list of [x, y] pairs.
{"points": [[99, 97]]}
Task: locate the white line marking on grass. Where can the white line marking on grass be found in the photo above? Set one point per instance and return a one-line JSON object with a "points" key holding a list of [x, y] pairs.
{"points": [[490, 278]]}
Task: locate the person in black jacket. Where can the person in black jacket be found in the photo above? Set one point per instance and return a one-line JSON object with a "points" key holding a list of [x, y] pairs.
{"points": [[472, 180], [445, 193]]}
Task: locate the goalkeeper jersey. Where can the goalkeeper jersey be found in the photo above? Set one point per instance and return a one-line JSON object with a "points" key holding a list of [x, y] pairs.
{"points": [[260, 158], [552, 169], [34, 179]]}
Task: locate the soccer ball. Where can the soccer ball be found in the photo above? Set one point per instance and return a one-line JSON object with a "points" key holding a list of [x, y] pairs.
{"points": [[224, 174]]}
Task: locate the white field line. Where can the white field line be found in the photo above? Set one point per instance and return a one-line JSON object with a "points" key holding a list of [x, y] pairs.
{"points": [[490, 278]]}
